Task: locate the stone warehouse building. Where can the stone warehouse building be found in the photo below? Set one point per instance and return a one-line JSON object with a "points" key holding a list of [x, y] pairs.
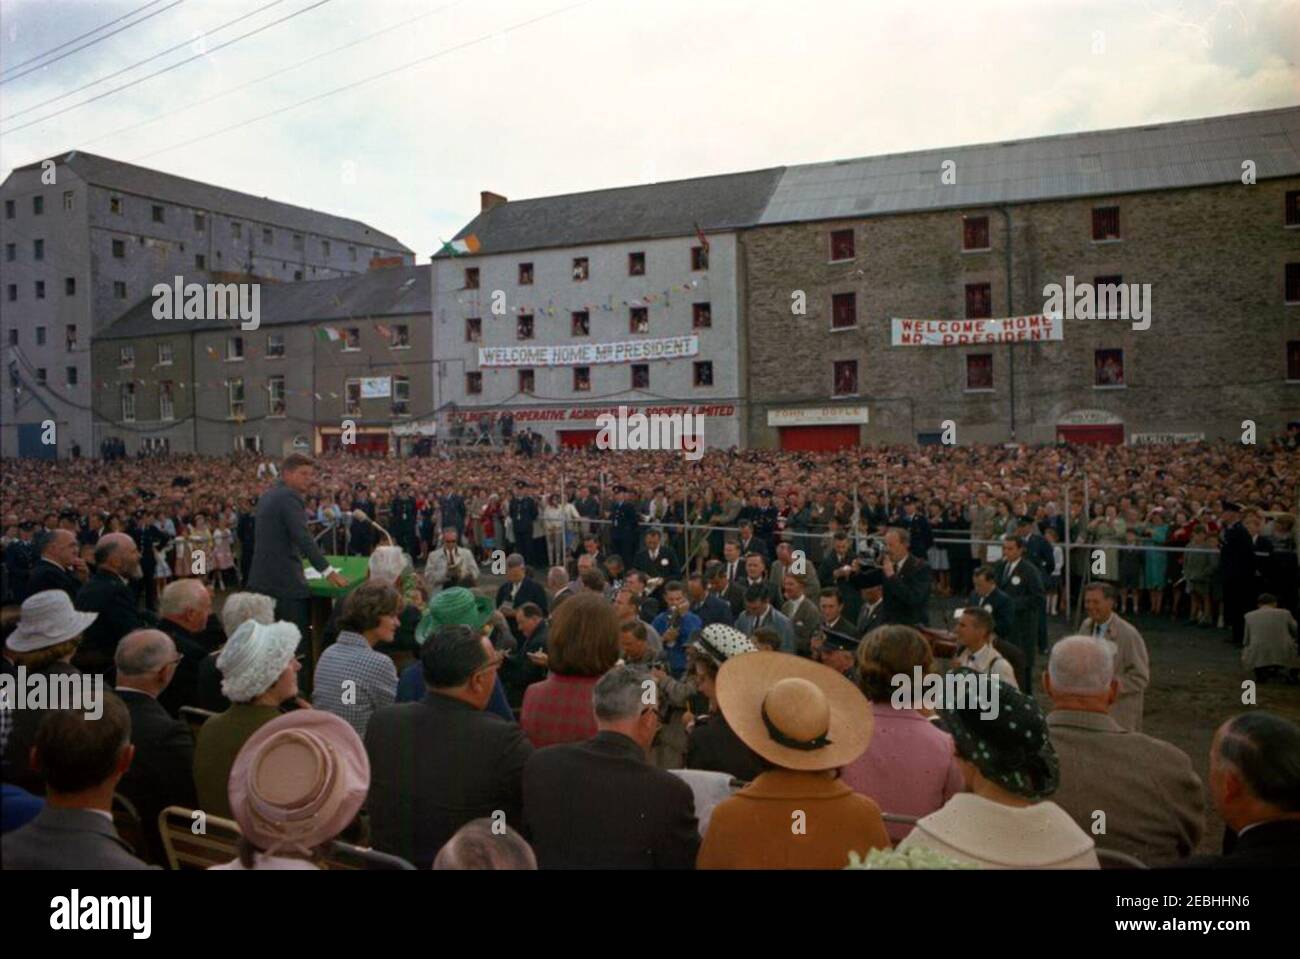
{"points": [[86, 236], [352, 349], [980, 231], [570, 306]]}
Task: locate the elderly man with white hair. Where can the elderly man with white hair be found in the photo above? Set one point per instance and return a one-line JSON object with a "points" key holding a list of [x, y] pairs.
{"points": [[183, 612], [1136, 794]]}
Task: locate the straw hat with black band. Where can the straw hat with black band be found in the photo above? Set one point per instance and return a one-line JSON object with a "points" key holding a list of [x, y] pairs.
{"points": [[793, 712]]}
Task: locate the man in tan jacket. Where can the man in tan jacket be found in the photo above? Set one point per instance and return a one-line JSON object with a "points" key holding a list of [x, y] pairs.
{"points": [[1134, 793], [1132, 665]]}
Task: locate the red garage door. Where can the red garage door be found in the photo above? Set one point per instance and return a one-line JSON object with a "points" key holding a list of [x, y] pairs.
{"points": [[818, 438], [1110, 435], [577, 439]]}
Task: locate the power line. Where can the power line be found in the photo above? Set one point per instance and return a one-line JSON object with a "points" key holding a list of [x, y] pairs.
{"points": [[128, 26], [139, 63], [158, 73]]}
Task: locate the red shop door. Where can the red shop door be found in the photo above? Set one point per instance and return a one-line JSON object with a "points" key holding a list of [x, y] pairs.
{"points": [[1112, 435], [577, 439], [820, 438]]}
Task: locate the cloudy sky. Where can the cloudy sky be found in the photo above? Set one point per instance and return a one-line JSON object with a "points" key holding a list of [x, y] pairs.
{"points": [[537, 97]]}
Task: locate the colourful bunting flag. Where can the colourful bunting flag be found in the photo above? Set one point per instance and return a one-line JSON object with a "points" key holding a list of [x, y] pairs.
{"points": [[328, 334]]}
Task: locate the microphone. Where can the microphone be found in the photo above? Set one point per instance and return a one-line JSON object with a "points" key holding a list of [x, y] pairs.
{"points": [[361, 516]]}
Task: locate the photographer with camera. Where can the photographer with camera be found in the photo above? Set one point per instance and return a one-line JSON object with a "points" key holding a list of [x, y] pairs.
{"points": [[678, 626], [907, 582]]}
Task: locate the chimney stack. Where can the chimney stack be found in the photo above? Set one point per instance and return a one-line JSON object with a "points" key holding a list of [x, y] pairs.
{"points": [[488, 200]]}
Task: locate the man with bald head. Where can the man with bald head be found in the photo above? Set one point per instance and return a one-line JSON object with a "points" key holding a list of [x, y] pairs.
{"points": [[110, 594], [60, 565], [162, 773], [183, 610], [1146, 790]]}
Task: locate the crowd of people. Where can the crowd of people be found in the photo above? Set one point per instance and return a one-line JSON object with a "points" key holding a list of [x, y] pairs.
{"points": [[680, 658]]}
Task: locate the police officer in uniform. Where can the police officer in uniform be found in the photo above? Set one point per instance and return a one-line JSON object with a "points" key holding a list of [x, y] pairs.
{"points": [[361, 536], [765, 520], [523, 514], [402, 517], [626, 525]]}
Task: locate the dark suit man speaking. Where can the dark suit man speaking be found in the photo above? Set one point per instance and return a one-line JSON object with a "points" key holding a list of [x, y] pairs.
{"points": [[281, 541], [907, 582]]}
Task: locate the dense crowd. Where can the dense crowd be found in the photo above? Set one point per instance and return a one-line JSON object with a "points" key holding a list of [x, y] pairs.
{"points": [[681, 657]]}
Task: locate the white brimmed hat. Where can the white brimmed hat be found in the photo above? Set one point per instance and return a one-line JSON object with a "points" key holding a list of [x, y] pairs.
{"points": [[48, 618], [254, 657]]}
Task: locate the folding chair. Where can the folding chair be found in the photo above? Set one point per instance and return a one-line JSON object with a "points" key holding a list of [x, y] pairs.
{"points": [[196, 717], [1114, 859], [126, 820], [898, 818], [185, 849], [344, 855]]}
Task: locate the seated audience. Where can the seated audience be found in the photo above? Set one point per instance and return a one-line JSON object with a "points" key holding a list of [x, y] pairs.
{"points": [[583, 646], [978, 652], [454, 606], [183, 615], [480, 845], [18, 807], [238, 609], [109, 592], [806, 721], [713, 744], [521, 668], [296, 784], [352, 680], [60, 565]]}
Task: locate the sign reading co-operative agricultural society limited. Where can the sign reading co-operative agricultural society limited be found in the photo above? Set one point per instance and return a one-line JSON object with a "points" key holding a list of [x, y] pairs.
{"points": [[590, 354]]}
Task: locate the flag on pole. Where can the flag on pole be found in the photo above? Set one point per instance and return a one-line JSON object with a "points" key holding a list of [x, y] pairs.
{"points": [[328, 334], [463, 247], [704, 240]]}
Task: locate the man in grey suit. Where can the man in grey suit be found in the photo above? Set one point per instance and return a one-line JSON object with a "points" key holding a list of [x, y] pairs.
{"points": [[785, 562], [805, 618], [281, 541], [1132, 664], [82, 760], [759, 612], [1151, 798]]}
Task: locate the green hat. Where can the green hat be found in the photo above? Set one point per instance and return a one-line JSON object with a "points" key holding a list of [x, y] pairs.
{"points": [[456, 606]]}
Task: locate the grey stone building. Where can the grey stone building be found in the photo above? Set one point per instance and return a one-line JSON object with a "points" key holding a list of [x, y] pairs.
{"points": [[86, 236], [338, 360], [1206, 212]]}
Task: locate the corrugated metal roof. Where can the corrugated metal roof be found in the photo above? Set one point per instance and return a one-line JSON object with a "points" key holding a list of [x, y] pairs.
{"points": [[648, 211], [393, 292], [129, 178], [1162, 156]]}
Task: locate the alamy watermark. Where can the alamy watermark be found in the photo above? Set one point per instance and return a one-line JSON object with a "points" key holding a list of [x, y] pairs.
{"points": [[657, 431], [1099, 301], [40, 690], [966, 690], [211, 301]]}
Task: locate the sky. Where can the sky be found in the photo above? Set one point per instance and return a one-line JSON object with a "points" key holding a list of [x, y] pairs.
{"points": [[533, 98]]}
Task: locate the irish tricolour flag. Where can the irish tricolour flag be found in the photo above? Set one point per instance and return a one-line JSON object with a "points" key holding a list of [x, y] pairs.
{"points": [[462, 247]]}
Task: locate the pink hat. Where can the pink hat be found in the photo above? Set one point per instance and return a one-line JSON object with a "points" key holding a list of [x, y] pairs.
{"points": [[299, 781]]}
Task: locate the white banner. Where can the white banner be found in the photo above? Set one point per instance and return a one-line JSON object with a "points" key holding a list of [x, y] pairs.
{"points": [[1164, 439], [590, 354], [1014, 329], [376, 387], [819, 416]]}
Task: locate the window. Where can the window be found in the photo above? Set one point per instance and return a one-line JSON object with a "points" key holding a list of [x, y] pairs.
{"points": [[979, 301], [703, 370], [275, 405], [235, 395], [699, 258], [70, 376], [581, 269], [268, 236], [352, 339], [844, 311], [636, 264], [325, 248], [166, 408], [1293, 282], [580, 323], [119, 249], [979, 372], [38, 205], [126, 393], [701, 316], [165, 356], [401, 396], [246, 444], [159, 214], [126, 358], [13, 337], [640, 376], [1111, 295], [67, 199], [527, 381], [40, 336], [70, 336], [9, 209], [200, 222], [582, 379], [38, 249], [1105, 223], [297, 241], [525, 274], [40, 376], [13, 292], [471, 278], [1293, 208], [399, 337], [40, 290], [274, 345], [842, 244], [352, 253], [11, 252], [297, 274], [234, 348], [639, 319], [845, 373], [975, 233], [119, 289], [115, 205], [524, 327], [474, 383], [352, 397], [474, 329], [1293, 360], [236, 229], [70, 286], [1108, 368], [200, 261]]}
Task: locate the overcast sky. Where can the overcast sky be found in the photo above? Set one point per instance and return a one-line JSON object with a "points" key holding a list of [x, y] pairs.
{"points": [[608, 92]]}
